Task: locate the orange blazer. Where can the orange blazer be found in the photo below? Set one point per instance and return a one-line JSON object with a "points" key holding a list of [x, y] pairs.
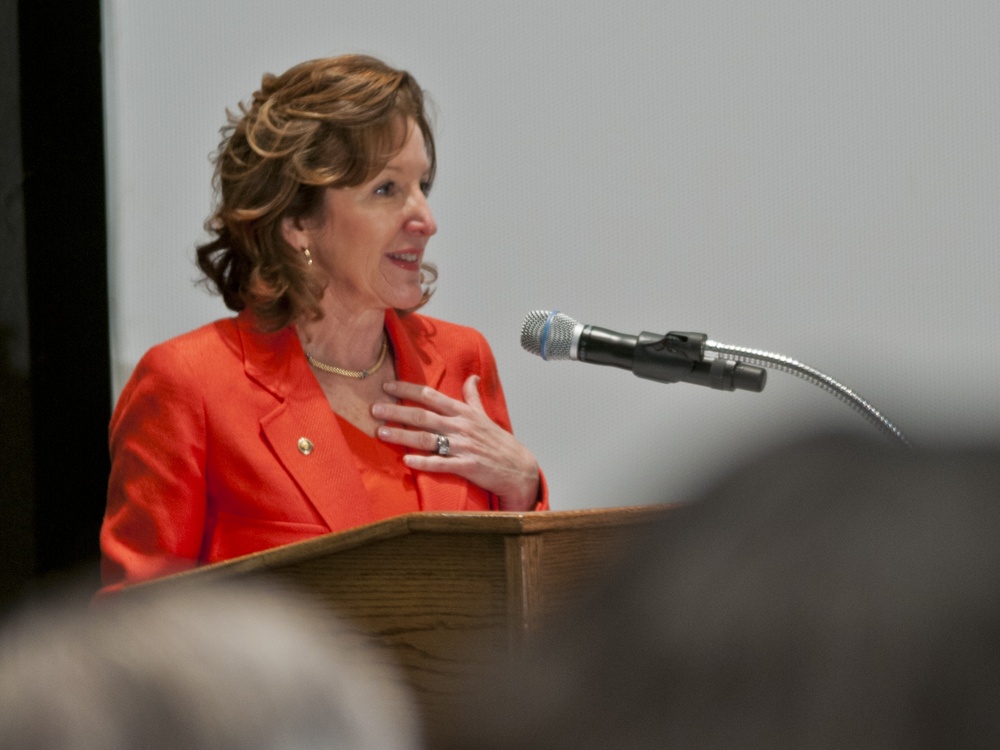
{"points": [[206, 463]]}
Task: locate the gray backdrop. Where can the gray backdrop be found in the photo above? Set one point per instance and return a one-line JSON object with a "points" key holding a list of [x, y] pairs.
{"points": [[812, 178]]}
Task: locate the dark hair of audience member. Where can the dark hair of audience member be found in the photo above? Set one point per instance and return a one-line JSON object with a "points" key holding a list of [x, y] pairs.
{"points": [[834, 593]]}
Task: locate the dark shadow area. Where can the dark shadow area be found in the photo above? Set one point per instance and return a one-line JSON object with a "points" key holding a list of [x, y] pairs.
{"points": [[16, 533], [55, 368]]}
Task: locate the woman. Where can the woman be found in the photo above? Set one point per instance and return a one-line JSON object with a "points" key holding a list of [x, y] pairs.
{"points": [[326, 403]]}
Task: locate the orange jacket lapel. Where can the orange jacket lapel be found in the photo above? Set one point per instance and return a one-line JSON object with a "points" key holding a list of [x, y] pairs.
{"points": [[418, 360], [302, 430]]}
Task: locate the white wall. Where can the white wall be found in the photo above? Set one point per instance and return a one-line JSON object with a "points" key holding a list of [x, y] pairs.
{"points": [[817, 179]]}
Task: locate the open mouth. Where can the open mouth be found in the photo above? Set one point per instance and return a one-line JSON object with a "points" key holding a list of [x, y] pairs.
{"points": [[409, 260]]}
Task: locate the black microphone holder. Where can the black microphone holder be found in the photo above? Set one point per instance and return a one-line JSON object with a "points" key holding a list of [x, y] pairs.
{"points": [[680, 357]]}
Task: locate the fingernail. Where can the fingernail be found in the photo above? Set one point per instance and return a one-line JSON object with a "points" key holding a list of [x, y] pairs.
{"points": [[378, 410], [382, 432], [389, 387]]}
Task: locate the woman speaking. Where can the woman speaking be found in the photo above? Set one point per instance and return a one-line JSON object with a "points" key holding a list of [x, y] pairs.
{"points": [[326, 402]]}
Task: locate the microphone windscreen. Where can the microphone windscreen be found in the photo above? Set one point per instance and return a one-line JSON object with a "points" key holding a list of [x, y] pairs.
{"points": [[547, 334]]}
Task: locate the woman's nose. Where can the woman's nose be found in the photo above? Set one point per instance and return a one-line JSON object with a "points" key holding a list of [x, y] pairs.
{"points": [[422, 220]]}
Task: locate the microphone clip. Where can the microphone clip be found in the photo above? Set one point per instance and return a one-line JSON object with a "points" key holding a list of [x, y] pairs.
{"points": [[680, 357]]}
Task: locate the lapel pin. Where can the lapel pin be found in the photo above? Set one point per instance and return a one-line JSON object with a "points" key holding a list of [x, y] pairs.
{"points": [[305, 446]]}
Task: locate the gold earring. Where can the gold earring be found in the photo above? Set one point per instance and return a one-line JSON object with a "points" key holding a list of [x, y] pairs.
{"points": [[309, 258]]}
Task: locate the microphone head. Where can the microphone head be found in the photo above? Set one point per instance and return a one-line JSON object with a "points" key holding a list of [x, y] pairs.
{"points": [[548, 334]]}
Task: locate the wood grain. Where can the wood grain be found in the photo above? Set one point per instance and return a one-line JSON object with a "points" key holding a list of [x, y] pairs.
{"points": [[445, 594]]}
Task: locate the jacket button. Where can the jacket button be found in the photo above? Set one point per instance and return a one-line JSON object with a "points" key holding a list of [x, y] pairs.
{"points": [[305, 446]]}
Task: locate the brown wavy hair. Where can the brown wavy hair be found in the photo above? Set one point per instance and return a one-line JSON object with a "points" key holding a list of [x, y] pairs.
{"points": [[325, 123]]}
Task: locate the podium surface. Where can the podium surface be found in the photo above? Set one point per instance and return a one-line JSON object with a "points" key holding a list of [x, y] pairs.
{"points": [[443, 594]]}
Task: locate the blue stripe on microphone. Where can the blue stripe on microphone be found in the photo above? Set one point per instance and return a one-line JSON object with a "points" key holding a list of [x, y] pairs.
{"points": [[545, 334]]}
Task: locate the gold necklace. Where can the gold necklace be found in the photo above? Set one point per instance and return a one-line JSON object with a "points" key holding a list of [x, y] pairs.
{"points": [[356, 374]]}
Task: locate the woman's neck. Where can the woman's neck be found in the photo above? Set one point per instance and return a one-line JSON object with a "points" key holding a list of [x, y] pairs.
{"points": [[352, 341]]}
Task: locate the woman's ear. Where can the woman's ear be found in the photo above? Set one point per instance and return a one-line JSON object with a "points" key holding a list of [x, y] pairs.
{"points": [[293, 232]]}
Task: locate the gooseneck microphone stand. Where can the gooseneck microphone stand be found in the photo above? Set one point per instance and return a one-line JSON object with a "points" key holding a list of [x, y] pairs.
{"points": [[787, 364]]}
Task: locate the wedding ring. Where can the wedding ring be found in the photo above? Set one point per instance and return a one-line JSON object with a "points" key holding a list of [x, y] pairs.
{"points": [[442, 445]]}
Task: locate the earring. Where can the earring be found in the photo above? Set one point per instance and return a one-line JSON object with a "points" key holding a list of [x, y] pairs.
{"points": [[309, 258]]}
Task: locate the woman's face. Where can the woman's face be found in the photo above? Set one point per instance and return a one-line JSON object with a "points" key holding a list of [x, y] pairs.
{"points": [[369, 240]]}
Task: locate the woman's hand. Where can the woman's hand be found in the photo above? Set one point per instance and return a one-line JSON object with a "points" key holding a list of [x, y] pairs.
{"points": [[479, 450]]}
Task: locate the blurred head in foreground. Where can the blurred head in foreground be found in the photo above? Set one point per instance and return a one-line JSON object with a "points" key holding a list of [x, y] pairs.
{"points": [[193, 668], [835, 593]]}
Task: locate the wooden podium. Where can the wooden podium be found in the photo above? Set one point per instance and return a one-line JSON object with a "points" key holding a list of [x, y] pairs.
{"points": [[445, 593]]}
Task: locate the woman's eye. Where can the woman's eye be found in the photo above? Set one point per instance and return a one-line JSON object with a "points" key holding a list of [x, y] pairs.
{"points": [[425, 187], [385, 188]]}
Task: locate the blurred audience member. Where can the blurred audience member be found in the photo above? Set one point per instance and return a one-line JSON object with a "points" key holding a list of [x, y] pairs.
{"points": [[835, 593], [194, 668]]}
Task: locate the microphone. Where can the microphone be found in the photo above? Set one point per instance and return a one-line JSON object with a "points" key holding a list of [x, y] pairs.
{"points": [[666, 358]]}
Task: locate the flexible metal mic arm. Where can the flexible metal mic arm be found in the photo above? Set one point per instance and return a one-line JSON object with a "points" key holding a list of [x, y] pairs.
{"points": [[786, 364]]}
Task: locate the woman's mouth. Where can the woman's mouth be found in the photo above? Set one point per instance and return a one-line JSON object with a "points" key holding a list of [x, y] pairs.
{"points": [[409, 260]]}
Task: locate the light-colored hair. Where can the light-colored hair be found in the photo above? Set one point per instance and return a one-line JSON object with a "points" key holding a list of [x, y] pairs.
{"points": [[327, 123], [220, 668]]}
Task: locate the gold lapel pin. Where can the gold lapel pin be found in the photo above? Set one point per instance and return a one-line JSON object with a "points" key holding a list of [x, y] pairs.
{"points": [[305, 446]]}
